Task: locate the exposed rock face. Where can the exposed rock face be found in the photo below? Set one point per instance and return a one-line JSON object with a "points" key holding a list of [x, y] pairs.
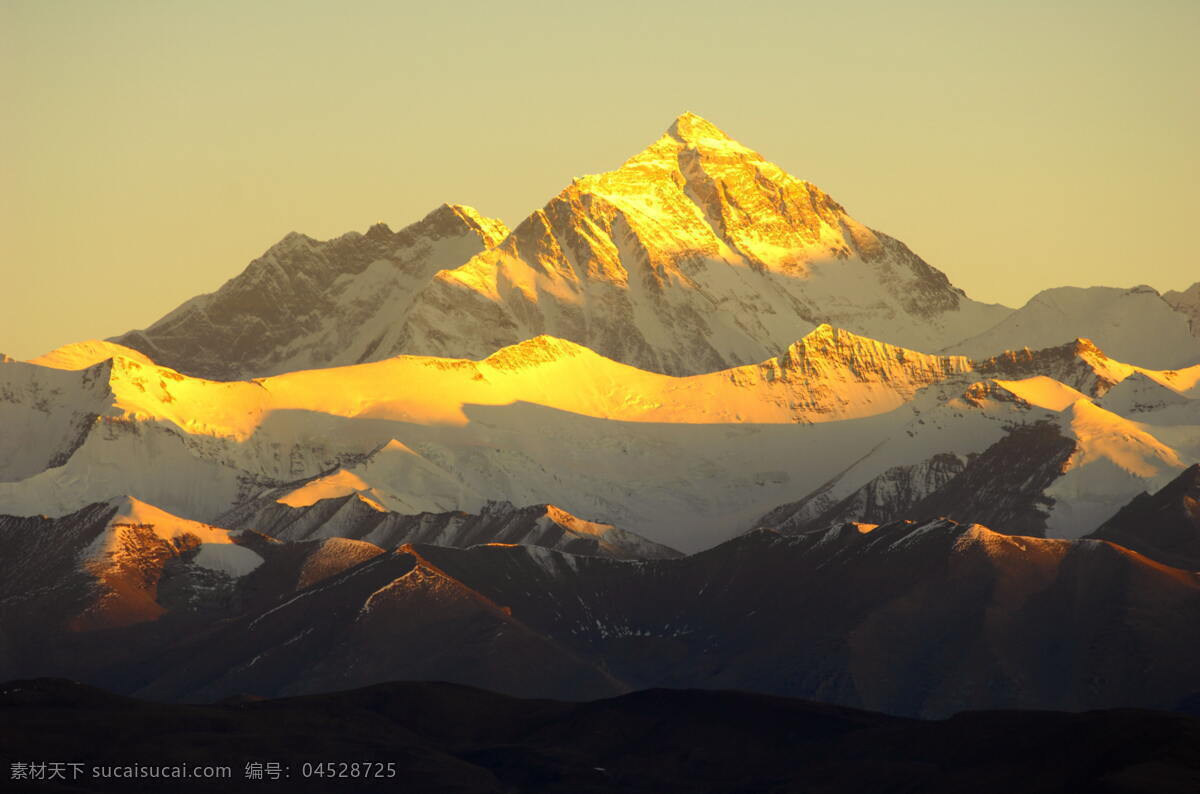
{"points": [[833, 373], [96, 592], [888, 497], [308, 303], [1005, 485], [694, 256], [124, 562], [1079, 364], [1165, 525]]}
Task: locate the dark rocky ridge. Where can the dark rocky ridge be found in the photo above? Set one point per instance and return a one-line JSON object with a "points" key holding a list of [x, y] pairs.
{"points": [[1005, 485], [442, 737], [909, 619], [1077, 364], [351, 516], [1164, 526]]}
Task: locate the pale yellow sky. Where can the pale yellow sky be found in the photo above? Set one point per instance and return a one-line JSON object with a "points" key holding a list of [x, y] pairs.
{"points": [[152, 149]]}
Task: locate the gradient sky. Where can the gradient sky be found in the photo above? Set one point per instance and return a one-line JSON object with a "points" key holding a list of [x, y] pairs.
{"points": [[152, 149]]}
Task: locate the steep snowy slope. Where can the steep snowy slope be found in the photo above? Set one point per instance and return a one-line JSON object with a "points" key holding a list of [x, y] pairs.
{"points": [[1130, 324], [310, 303], [1141, 394], [696, 255], [1114, 460], [940, 429], [45, 414]]}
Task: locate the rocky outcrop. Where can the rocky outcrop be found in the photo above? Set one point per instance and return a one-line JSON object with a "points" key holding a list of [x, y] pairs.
{"points": [[1165, 525]]}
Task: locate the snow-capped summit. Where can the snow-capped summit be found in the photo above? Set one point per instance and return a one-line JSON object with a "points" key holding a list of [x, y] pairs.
{"points": [[81, 355], [1079, 364], [309, 303], [695, 255]]}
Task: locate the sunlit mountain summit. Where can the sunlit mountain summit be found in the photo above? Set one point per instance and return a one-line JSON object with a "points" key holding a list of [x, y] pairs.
{"points": [[695, 255]]}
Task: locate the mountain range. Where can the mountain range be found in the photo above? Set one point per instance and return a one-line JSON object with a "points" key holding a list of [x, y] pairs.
{"points": [[913, 618], [688, 425], [696, 255]]}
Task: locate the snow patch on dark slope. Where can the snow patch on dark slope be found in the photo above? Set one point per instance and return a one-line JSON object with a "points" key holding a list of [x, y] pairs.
{"points": [[354, 516]]}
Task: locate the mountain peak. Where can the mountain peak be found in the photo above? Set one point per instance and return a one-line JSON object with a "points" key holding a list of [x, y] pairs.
{"points": [[81, 355], [451, 219], [692, 129], [541, 349]]}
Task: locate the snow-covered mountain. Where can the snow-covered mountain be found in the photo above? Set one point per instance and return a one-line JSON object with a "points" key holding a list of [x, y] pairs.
{"points": [[1136, 324], [838, 419], [461, 453], [1032, 452], [694, 256], [543, 422], [310, 303]]}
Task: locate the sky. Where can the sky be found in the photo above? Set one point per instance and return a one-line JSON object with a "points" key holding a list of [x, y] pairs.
{"points": [[152, 149]]}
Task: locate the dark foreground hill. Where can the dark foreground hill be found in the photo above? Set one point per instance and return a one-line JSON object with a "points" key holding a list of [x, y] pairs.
{"points": [[451, 738]]}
